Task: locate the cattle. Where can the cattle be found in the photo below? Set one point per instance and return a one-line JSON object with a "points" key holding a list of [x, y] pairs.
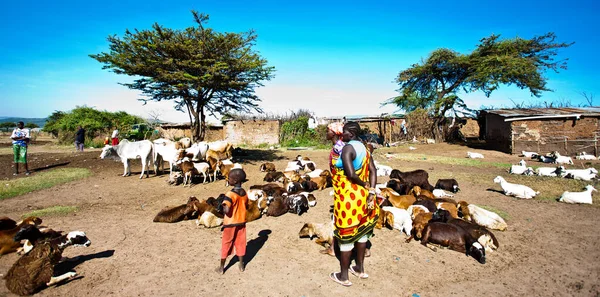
{"points": [[126, 151]]}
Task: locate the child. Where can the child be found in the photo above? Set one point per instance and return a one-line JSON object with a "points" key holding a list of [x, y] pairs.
{"points": [[234, 221], [106, 140]]}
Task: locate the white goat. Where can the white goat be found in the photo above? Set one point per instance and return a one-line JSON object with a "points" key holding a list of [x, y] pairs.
{"points": [[585, 156], [550, 171], [516, 190], [486, 218], [521, 169], [581, 174], [402, 220], [578, 197], [315, 173], [474, 155], [558, 159], [545, 159], [529, 154], [203, 168], [439, 193], [383, 170]]}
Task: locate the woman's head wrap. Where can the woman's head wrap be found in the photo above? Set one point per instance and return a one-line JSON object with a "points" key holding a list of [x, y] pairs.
{"points": [[336, 127]]}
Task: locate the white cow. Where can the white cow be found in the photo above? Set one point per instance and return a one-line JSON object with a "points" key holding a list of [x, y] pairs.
{"points": [[164, 150], [130, 150]]}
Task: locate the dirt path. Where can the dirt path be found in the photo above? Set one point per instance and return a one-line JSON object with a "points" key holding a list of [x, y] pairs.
{"points": [[550, 249]]}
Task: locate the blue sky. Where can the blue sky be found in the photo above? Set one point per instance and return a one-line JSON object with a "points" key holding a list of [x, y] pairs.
{"points": [[333, 57]]}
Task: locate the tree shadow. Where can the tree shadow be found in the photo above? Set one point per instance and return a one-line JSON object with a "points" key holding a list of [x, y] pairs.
{"points": [[252, 248], [69, 265], [252, 155], [50, 166]]}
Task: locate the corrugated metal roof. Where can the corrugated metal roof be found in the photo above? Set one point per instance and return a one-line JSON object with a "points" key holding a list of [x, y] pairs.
{"points": [[520, 112], [368, 118]]}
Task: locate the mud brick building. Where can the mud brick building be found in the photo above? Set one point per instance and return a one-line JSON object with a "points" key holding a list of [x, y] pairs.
{"points": [[566, 130], [251, 132]]}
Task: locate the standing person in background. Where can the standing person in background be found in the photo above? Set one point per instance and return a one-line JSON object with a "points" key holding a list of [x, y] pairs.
{"points": [[115, 137], [80, 139], [20, 137]]}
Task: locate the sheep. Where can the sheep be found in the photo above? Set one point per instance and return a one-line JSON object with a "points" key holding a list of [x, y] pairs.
{"points": [[550, 171], [483, 217], [581, 174], [516, 190], [414, 178], [430, 141], [529, 154], [323, 233], [455, 238], [7, 242], [471, 155], [578, 197], [401, 219], [585, 156], [439, 193], [179, 213], [293, 166], [448, 185], [267, 167], [209, 220], [36, 268]]}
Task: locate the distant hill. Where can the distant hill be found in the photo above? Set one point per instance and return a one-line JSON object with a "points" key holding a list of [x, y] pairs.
{"points": [[39, 121]]}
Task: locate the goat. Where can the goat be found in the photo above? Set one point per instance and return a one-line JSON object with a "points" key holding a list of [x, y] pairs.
{"points": [[578, 197], [545, 159], [309, 185], [516, 190], [454, 237], [483, 235], [383, 170], [398, 186], [482, 217], [415, 178], [297, 204], [36, 268], [401, 219], [472, 155], [189, 170], [273, 176], [449, 207], [414, 210], [6, 223], [323, 233], [558, 159], [430, 205], [32, 235], [581, 174], [399, 201], [179, 213], [270, 189], [449, 184], [417, 191], [7, 242], [529, 154], [585, 156], [550, 171], [419, 222], [277, 207], [209, 220], [267, 167], [439, 193]]}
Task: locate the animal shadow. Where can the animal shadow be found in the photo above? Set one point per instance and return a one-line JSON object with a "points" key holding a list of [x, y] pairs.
{"points": [[252, 155], [69, 265], [252, 248], [494, 190]]}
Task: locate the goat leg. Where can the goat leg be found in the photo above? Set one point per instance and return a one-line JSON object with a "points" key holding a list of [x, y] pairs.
{"points": [[409, 239], [56, 279]]}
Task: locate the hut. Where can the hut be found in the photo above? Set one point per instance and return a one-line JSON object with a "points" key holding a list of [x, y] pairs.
{"points": [[566, 130], [179, 130]]}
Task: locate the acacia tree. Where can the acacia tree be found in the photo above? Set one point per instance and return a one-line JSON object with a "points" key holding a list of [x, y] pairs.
{"points": [[434, 84], [202, 70]]}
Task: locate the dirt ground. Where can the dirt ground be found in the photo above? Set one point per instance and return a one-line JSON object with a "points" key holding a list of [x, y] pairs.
{"points": [[549, 249]]}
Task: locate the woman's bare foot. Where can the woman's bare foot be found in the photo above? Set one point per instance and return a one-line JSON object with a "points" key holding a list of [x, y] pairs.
{"points": [[327, 252], [367, 253], [220, 270], [242, 266]]}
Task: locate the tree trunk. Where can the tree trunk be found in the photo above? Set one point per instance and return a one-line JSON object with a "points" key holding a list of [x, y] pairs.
{"points": [[202, 133]]}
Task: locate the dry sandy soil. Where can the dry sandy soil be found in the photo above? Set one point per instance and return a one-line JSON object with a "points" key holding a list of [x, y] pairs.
{"points": [[549, 249]]}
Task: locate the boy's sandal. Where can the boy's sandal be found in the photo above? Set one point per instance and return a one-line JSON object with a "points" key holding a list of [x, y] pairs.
{"points": [[333, 277], [361, 275]]}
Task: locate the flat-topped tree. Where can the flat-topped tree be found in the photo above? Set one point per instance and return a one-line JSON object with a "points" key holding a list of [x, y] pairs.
{"points": [[434, 83], [202, 70]]}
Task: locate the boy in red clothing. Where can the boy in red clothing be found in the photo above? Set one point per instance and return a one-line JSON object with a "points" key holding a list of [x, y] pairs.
{"points": [[234, 221]]}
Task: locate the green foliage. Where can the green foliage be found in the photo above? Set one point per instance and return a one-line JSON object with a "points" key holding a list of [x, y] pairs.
{"points": [[31, 125], [434, 84], [54, 211], [295, 133], [95, 123], [294, 129], [7, 126], [197, 67]]}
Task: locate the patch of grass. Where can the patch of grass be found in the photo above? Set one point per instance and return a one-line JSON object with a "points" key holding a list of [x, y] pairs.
{"points": [[503, 214], [54, 211], [449, 160], [42, 180]]}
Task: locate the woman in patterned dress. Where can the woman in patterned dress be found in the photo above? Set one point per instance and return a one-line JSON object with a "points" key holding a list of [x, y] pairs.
{"points": [[355, 210]]}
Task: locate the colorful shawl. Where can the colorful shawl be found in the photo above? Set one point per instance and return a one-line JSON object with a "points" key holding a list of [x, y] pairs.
{"points": [[352, 218]]}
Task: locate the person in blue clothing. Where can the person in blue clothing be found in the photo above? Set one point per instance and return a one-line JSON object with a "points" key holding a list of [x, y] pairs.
{"points": [[79, 139], [20, 140]]}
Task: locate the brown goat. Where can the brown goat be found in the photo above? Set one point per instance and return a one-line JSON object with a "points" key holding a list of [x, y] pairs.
{"points": [[273, 176], [179, 213], [451, 208], [267, 167], [322, 181], [225, 169], [270, 189], [253, 211], [417, 191], [454, 237], [6, 223], [399, 201], [464, 210], [419, 223], [386, 218], [7, 242], [278, 207]]}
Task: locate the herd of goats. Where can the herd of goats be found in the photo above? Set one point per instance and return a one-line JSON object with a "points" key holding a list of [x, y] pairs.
{"points": [[409, 203]]}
